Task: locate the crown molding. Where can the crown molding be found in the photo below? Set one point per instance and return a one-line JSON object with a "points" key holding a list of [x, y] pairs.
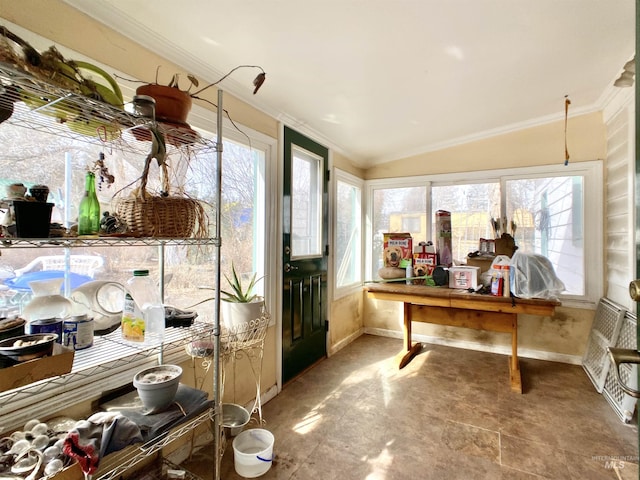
{"points": [[485, 134]]}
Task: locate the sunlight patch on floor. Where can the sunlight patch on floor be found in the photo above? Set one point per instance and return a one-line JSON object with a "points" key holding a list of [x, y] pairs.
{"points": [[308, 424], [380, 465]]}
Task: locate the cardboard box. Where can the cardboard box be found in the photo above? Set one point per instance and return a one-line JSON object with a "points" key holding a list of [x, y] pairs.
{"points": [[443, 238], [464, 277], [398, 250], [72, 472], [31, 371], [483, 262], [425, 260]]}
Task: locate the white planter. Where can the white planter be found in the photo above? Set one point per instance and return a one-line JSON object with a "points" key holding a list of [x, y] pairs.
{"points": [[235, 315]]}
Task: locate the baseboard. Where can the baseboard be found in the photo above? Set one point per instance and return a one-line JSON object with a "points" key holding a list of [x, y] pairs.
{"points": [[500, 349], [345, 341], [269, 394]]}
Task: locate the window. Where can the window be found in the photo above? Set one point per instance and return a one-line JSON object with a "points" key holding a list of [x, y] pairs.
{"points": [[394, 210], [348, 232], [547, 205], [35, 157], [549, 218], [472, 206]]}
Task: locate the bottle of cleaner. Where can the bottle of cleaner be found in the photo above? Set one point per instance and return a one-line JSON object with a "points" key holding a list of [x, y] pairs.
{"points": [[143, 312], [497, 281]]}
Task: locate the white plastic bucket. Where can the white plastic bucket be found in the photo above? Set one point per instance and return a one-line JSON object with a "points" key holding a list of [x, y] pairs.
{"points": [[253, 452]]}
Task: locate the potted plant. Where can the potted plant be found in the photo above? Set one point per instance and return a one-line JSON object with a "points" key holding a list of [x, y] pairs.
{"points": [[240, 305], [174, 104]]}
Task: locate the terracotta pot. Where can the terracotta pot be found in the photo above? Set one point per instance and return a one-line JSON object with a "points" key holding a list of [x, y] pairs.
{"points": [[172, 104]]}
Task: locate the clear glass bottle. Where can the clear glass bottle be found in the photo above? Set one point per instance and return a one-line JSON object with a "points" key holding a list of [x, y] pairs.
{"points": [[143, 311], [89, 209]]}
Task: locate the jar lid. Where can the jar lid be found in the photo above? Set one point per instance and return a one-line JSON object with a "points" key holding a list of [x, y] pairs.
{"points": [[140, 273]]}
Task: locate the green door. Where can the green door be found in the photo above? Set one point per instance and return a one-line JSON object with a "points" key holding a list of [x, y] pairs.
{"points": [[305, 253]]}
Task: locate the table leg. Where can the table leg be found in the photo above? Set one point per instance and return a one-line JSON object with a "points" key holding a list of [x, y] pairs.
{"points": [[514, 364], [409, 351]]}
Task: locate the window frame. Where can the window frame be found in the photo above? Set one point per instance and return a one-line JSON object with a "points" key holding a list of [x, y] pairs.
{"points": [[267, 265], [593, 196], [352, 180]]}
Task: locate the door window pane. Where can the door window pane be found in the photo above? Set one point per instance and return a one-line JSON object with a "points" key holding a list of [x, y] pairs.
{"points": [[348, 237], [306, 204]]}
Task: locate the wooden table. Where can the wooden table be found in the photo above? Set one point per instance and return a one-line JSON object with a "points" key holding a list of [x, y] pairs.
{"points": [[459, 308]]}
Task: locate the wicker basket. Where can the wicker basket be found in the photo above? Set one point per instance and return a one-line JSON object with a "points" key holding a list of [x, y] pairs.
{"points": [[168, 216]]}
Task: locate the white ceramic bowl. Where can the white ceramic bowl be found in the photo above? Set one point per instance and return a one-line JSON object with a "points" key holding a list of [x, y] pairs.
{"points": [[157, 386]]}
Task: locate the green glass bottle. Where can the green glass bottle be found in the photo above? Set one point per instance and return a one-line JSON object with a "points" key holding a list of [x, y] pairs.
{"points": [[89, 210]]}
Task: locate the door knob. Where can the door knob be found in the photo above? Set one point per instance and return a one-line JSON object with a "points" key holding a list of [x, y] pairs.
{"points": [[619, 356], [634, 290], [288, 267]]}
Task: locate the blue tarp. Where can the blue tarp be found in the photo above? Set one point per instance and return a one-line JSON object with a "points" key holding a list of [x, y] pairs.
{"points": [[22, 282]]}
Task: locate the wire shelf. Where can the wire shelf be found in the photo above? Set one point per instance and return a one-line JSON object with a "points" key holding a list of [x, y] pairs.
{"points": [[108, 355], [74, 242], [58, 111], [118, 463]]}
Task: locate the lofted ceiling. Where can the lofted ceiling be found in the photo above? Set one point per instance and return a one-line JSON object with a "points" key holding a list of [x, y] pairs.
{"points": [[383, 79]]}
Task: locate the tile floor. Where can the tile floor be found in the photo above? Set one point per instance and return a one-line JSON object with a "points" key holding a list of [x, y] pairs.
{"points": [[449, 414]]}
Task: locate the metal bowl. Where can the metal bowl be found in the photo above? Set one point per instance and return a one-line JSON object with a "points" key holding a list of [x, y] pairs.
{"points": [[234, 417], [28, 347]]}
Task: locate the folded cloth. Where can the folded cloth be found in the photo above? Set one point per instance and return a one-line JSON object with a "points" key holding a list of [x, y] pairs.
{"points": [[118, 431], [99, 435], [187, 403]]}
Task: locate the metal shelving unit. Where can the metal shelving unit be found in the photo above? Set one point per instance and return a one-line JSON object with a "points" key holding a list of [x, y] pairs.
{"points": [[57, 111]]}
